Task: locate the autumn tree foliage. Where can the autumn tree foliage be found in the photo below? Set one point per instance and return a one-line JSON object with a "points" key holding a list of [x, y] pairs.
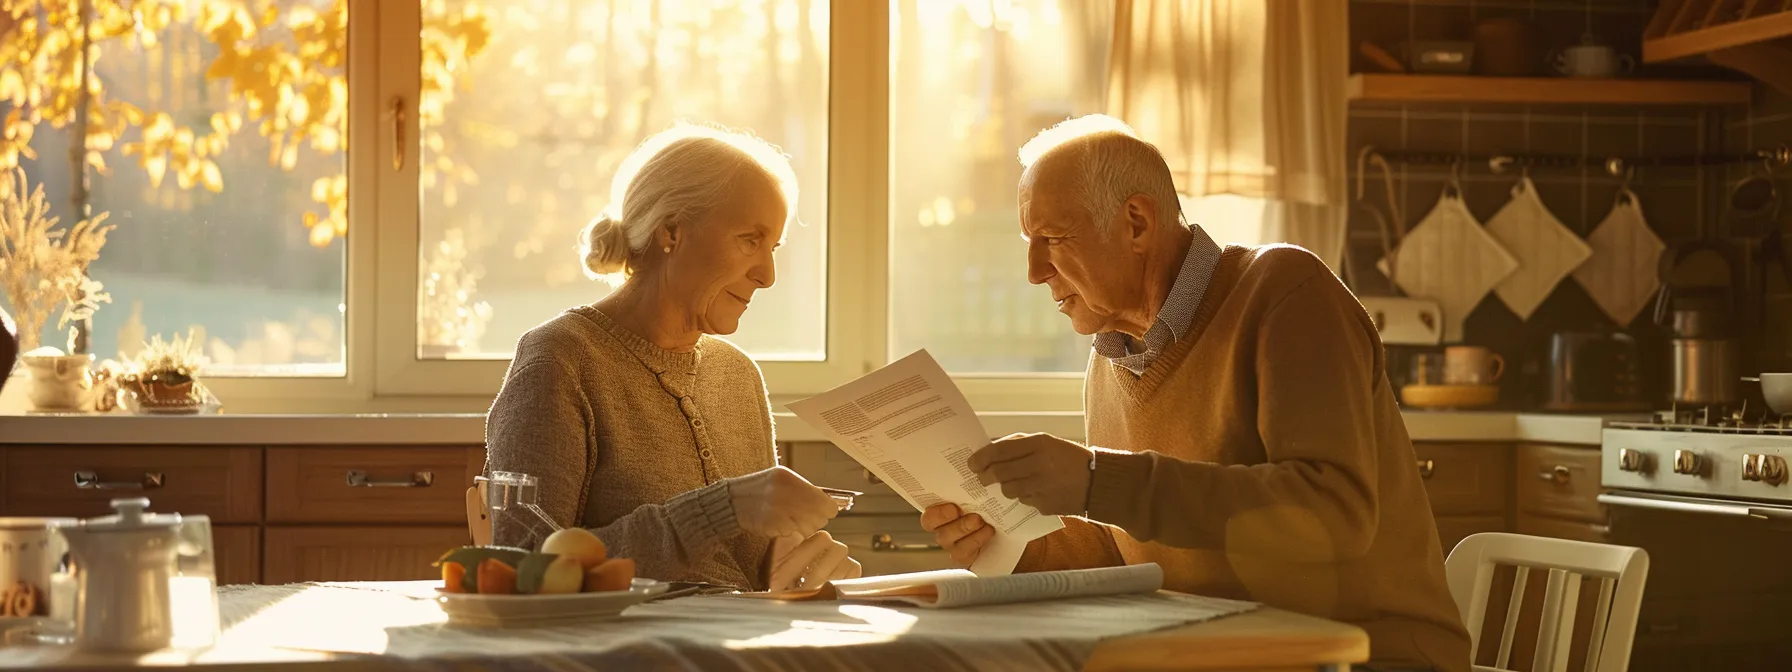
{"points": [[284, 64]]}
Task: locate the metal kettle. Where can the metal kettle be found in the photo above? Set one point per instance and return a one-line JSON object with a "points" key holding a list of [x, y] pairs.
{"points": [[143, 581]]}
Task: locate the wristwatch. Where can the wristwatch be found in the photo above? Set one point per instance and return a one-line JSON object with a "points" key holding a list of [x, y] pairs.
{"points": [[1091, 490]]}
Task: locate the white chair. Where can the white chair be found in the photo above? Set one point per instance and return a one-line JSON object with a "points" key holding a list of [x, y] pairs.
{"points": [[1620, 571]]}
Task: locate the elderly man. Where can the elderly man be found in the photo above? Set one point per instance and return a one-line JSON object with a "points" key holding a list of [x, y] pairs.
{"points": [[1243, 434]]}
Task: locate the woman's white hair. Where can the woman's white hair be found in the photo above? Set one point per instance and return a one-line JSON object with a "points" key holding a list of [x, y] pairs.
{"points": [[1112, 165], [675, 175]]}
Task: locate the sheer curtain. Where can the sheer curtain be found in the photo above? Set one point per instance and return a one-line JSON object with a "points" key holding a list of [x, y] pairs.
{"points": [[1246, 99]]}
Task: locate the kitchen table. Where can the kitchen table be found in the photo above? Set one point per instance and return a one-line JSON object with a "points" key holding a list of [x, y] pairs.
{"points": [[390, 625]]}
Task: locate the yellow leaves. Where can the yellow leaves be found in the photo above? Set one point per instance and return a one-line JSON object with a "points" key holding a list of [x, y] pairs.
{"points": [[211, 177], [12, 85], [156, 166], [320, 235], [332, 192], [162, 147]]}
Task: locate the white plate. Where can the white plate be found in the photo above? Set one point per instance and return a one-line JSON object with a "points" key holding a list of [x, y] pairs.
{"points": [[523, 611]]}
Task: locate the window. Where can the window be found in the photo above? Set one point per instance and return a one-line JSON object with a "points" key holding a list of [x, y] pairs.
{"points": [[970, 83], [526, 108], [215, 145], [1228, 218], [397, 272]]}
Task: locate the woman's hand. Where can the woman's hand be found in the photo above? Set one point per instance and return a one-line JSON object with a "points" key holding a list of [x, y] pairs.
{"points": [[963, 535], [806, 563], [778, 502]]}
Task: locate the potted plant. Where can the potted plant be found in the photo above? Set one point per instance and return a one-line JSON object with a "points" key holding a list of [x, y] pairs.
{"points": [[164, 377]]}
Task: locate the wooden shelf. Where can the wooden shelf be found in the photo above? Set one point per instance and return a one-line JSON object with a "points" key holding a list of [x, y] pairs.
{"points": [[1717, 36], [1395, 88], [1750, 36]]}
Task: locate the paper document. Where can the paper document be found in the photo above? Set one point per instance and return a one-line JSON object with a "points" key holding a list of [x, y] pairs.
{"points": [[910, 426], [959, 588]]}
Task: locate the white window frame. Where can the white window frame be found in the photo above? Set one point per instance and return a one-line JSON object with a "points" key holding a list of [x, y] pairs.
{"points": [[383, 371]]}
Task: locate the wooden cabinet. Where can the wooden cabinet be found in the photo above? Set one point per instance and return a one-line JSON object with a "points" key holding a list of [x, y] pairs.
{"points": [[326, 513], [370, 485], [236, 553], [294, 554], [1469, 485], [222, 482], [1559, 482], [1558, 493]]}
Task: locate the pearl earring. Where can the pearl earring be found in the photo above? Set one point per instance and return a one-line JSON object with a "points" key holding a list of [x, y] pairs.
{"points": [[667, 249]]}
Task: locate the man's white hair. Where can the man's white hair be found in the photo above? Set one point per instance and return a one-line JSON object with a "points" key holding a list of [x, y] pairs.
{"points": [[1108, 172]]}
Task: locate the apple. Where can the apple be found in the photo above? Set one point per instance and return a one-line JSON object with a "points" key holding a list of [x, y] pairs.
{"points": [[577, 543]]}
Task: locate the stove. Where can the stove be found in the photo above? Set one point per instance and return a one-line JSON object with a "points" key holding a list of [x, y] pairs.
{"points": [[1706, 492], [1705, 460]]}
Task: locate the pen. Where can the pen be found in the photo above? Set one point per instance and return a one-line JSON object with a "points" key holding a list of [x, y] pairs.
{"points": [[843, 498]]}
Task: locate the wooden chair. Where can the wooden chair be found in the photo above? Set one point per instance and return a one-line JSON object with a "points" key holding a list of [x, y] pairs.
{"points": [[479, 517], [1620, 571]]}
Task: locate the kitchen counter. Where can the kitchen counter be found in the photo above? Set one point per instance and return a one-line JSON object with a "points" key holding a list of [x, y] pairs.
{"points": [[469, 428]]}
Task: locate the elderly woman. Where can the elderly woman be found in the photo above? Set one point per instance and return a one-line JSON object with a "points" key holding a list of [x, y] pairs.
{"points": [[640, 423]]}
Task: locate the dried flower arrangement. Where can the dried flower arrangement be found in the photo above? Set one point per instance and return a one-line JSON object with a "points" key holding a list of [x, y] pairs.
{"points": [[43, 266], [165, 375]]}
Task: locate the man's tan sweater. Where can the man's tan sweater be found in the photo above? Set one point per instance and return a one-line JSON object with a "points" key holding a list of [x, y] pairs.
{"points": [[1263, 457], [634, 442]]}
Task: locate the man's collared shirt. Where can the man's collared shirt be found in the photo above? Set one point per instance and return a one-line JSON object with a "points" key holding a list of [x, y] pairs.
{"points": [[1176, 315]]}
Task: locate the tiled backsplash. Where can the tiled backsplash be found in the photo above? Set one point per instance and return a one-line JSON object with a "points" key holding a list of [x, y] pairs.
{"points": [[1680, 203], [1767, 125]]}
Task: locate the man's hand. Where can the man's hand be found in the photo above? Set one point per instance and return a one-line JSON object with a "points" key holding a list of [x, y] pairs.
{"points": [[1040, 470], [963, 535]]}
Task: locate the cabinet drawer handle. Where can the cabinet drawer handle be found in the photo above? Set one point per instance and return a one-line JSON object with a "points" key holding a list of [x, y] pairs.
{"points": [[1426, 467], [88, 480], [421, 479], [885, 543], [1556, 474]]}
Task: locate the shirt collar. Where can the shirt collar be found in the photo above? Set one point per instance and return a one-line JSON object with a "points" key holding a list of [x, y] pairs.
{"points": [[1177, 315]]}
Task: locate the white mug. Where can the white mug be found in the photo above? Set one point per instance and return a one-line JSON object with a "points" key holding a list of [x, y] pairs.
{"points": [[1593, 60]]}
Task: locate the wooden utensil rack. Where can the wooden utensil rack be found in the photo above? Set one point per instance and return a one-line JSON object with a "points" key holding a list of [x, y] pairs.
{"points": [[1617, 166], [1752, 36]]}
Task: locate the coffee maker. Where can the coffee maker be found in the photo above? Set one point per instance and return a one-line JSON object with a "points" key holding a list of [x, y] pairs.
{"points": [[1704, 345]]}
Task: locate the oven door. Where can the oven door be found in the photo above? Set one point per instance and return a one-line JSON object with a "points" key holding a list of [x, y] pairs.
{"points": [[1715, 507]]}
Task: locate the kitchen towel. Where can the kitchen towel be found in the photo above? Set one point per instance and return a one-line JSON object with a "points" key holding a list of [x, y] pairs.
{"points": [[1621, 275], [1546, 250], [1451, 259]]}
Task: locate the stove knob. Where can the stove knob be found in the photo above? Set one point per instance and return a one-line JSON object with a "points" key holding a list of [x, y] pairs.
{"points": [[1688, 462], [1633, 460], [1769, 469]]}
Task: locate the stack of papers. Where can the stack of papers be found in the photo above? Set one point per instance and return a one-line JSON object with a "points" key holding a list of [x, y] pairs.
{"points": [[911, 427]]}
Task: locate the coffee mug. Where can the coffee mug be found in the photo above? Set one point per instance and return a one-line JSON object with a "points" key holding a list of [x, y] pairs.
{"points": [[1472, 365], [30, 554], [1593, 60]]}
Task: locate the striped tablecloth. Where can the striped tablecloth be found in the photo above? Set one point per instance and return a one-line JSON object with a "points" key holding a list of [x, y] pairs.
{"points": [[401, 623]]}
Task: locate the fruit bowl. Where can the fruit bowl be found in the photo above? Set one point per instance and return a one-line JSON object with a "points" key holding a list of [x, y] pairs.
{"points": [[526, 611]]}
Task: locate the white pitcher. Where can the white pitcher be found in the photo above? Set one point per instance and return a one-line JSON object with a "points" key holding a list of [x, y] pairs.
{"points": [[59, 382], [133, 572]]}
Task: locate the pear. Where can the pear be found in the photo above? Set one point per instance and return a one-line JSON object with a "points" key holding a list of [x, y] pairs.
{"points": [[563, 575]]}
